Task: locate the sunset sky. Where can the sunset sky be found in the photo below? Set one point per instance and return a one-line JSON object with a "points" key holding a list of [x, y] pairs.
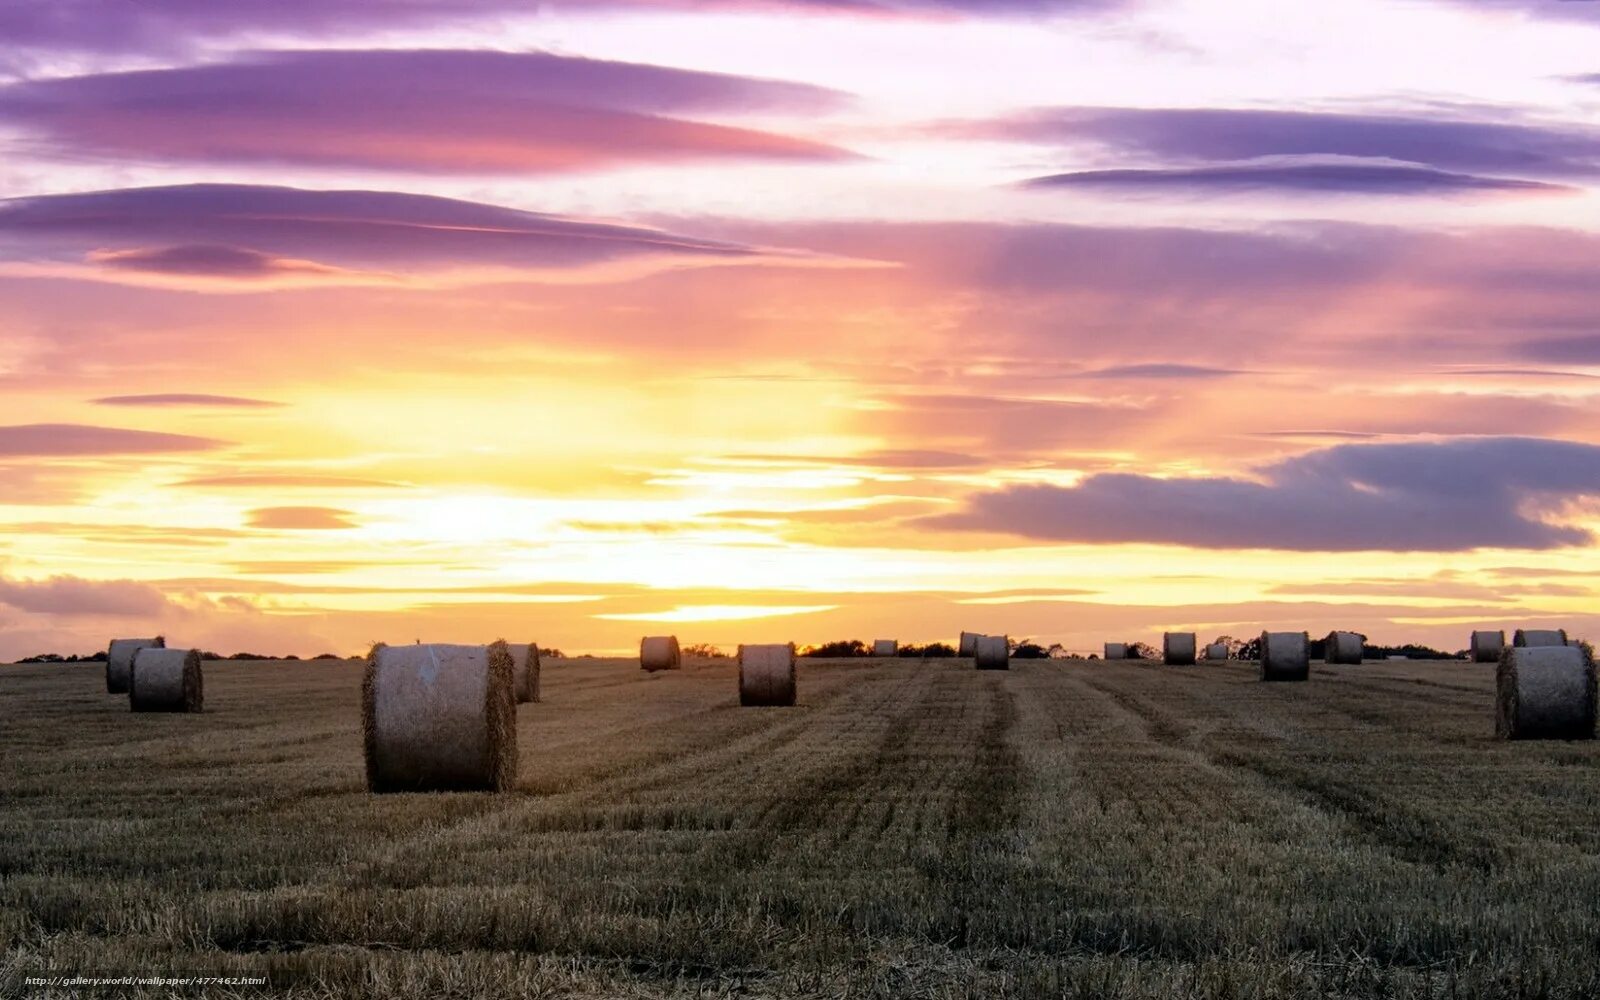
{"points": [[330, 321]]}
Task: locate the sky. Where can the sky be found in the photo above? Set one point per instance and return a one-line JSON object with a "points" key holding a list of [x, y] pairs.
{"points": [[325, 322]]}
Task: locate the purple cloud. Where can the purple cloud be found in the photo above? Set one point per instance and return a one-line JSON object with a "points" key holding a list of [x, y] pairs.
{"points": [[1218, 135], [1309, 178], [210, 261], [1570, 9], [1583, 350], [168, 25], [187, 399], [1413, 497], [52, 440], [335, 236], [161, 25], [1194, 150], [430, 111], [71, 595]]}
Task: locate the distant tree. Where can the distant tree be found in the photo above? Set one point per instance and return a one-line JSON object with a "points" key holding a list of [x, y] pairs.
{"points": [[1250, 650], [1410, 651], [291, 656], [839, 649], [704, 650], [1142, 651], [551, 653], [938, 651], [1058, 652], [1030, 651], [327, 656]]}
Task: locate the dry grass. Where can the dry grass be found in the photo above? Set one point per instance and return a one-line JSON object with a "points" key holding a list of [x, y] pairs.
{"points": [[911, 829]]}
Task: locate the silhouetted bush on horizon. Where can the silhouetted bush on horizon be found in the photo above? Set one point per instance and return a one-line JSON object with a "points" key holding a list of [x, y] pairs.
{"points": [[206, 654], [844, 649], [704, 650], [837, 650], [932, 651]]}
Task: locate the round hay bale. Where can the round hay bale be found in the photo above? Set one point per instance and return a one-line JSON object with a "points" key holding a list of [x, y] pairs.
{"points": [[1217, 651], [1178, 648], [1116, 651], [660, 652], [767, 675], [119, 661], [885, 647], [165, 680], [1343, 647], [1544, 693], [992, 652], [525, 671], [1487, 646], [969, 641], [440, 718], [1540, 637], [1285, 656]]}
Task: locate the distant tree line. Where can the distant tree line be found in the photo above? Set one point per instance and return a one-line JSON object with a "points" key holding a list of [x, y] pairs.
{"points": [[844, 649], [205, 654], [704, 650]]}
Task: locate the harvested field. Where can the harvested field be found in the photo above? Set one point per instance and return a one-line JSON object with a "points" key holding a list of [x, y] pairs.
{"points": [[910, 829]]}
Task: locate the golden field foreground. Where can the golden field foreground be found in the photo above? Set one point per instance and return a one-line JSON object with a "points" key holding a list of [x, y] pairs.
{"points": [[909, 830]]}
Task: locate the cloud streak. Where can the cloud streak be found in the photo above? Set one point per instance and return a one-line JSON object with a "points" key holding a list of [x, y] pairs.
{"points": [[71, 595], [1412, 497], [1303, 178], [232, 236], [1219, 150], [301, 518], [71, 440], [164, 26], [424, 111], [184, 399]]}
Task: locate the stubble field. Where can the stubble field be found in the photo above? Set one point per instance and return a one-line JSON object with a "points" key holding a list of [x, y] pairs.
{"points": [[909, 830]]}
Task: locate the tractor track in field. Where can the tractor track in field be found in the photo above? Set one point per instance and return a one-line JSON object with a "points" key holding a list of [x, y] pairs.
{"points": [[1376, 819], [753, 732]]}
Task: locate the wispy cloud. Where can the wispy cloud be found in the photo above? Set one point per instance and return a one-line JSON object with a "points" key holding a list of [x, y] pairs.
{"points": [[1305, 178], [187, 399], [1387, 151], [70, 595], [167, 26], [55, 440], [433, 111], [1160, 370], [291, 481], [301, 518], [176, 236]]}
